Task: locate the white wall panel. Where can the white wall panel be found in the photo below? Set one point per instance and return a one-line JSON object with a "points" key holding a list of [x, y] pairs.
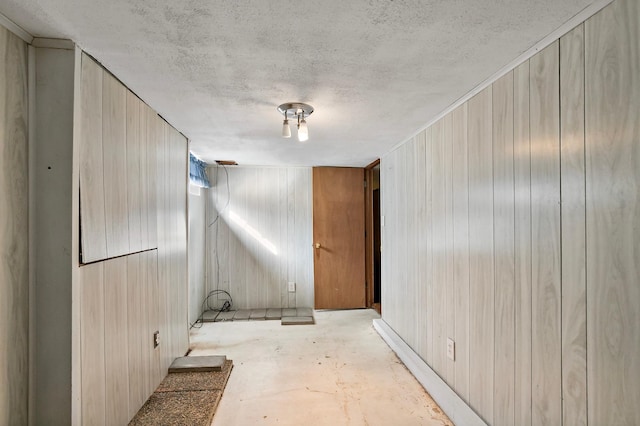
{"points": [[263, 237], [540, 234]]}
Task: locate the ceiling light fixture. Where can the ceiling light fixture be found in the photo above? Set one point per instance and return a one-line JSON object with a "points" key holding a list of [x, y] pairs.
{"points": [[299, 111]]}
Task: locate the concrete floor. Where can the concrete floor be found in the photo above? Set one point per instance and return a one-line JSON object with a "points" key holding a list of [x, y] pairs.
{"points": [[336, 372]]}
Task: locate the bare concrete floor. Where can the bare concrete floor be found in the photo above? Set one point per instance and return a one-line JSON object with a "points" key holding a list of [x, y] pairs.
{"points": [[336, 372]]}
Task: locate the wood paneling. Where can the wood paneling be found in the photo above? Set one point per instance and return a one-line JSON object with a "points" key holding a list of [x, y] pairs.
{"points": [[92, 329], [14, 229], [460, 182], [438, 232], [92, 201], [612, 94], [150, 165], [573, 213], [275, 202], [116, 357], [338, 226], [135, 151], [114, 151], [118, 171], [421, 253], [503, 255], [481, 268], [127, 298], [136, 333], [545, 231], [522, 244]]}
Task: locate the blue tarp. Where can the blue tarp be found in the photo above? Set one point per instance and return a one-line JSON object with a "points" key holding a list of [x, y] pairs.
{"points": [[198, 172]]}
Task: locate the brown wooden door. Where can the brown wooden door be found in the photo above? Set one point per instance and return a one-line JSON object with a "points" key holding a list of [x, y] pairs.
{"points": [[338, 236]]}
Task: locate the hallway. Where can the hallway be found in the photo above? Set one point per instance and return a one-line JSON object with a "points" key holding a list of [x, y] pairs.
{"points": [[336, 372]]}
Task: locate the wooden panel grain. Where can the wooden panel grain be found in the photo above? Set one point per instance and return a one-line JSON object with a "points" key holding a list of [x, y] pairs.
{"points": [[182, 320], [14, 229], [481, 293], [116, 344], [92, 344], [114, 150], [146, 155], [545, 225], [133, 186], [137, 305], [449, 289], [612, 93], [573, 209], [153, 173], [428, 356], [503, 243], [460, 188], [421, 235], [522, 243], [400, 223], [338, 226], [304, 233], [409, 220], [155, 314], [439, 338], [92, 207]]}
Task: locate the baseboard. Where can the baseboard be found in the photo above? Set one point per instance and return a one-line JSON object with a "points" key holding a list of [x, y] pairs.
{"points": [[457, 410]]}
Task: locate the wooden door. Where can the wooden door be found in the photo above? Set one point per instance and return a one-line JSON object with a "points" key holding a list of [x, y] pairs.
{"points": [[338, 234]]}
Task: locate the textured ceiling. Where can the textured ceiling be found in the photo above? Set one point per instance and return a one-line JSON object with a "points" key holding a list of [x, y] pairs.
{"points": [[375, 71]]}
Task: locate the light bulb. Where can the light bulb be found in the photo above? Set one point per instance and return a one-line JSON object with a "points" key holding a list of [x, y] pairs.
{"points": [[303, 131], [286, 130]]}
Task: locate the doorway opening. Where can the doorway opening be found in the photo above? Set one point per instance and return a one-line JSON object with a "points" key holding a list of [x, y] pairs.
{"points": [[372, 236]]}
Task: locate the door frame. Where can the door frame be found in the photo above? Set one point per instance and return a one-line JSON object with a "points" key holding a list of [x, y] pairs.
{"points": [[369, 234]]}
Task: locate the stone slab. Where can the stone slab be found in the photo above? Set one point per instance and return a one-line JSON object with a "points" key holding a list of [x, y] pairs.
{"points": [[289, 312], [297, 321], [304, 312], [242, 315], [226, 316], [197, 381], [258, 314], [274, 314], [190, 364], [209, 316]]}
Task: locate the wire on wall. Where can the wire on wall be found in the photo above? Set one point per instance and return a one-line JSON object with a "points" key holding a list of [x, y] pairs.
{"points": [[227, 302]]}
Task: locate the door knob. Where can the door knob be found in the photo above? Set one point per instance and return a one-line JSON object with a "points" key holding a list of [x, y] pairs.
{"points": [[317, 245]]}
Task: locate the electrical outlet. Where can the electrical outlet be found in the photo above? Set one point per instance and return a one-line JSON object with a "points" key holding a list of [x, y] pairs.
{"points": [[156, 339], [451, 349], [292, 287]]}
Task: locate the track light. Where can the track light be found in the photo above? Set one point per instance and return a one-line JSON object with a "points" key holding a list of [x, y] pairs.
{"points": [[286, 130], [299, 111]]}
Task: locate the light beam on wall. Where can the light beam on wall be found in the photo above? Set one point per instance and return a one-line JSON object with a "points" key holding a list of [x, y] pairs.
{"points": [[253, 232]]}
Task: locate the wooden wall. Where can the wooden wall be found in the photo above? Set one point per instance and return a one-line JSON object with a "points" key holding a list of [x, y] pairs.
{"points": [[142, 199], [14, 230], [118, 182], [275, 202], [512, 226], [197, 252]]}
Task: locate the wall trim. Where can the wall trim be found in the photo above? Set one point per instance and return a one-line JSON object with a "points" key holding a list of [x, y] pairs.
{"points": [[454, 407], [15, 28], [53, 43], [569, 25]]}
